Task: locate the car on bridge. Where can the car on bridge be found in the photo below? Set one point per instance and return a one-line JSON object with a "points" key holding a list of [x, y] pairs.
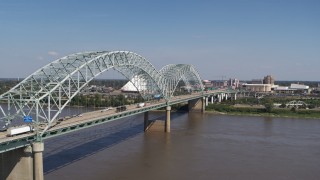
{"points": [[139, 105], [157, 97], [107, 109], [121, 108]]}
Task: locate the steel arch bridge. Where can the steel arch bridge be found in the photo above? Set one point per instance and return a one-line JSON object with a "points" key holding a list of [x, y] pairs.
{"points": [[46, 92], [296, 104]]}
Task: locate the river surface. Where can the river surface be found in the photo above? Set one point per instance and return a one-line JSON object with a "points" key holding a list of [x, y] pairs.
{"points": [[199, 147]]}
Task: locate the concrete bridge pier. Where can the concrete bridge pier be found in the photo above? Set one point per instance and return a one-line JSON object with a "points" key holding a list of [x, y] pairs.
{"points": [[211, 99], [235, 96], [146, 121], [197, 105], [219, 97], [38, 148], [207, 100], [24, 163], [204, 102], [17, 164], [167, 122]]}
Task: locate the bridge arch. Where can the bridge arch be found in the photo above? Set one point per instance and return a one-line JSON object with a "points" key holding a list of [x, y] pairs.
{"points": [[296, 104], [181, 72], [47, 91]]}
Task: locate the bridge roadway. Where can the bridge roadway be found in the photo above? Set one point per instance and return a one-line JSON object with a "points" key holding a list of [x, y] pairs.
{"points": [[93, 118]]}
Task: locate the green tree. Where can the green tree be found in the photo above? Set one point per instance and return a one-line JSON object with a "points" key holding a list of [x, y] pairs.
{"points": [[311, 106], [283, 105], [268, 104], [97, 100]]}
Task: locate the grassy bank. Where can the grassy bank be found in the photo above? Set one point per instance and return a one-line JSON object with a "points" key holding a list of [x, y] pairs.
{"points": [[276, 112]]}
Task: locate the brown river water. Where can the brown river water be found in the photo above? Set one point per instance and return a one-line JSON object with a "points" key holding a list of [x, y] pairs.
{"points": [[200, 146]]}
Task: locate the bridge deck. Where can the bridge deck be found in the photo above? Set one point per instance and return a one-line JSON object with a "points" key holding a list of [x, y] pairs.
{"points": [[91, 119]]}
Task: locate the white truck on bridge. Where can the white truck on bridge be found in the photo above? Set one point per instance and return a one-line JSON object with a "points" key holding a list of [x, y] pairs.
{"points": [[139, 105], [19, 130]]}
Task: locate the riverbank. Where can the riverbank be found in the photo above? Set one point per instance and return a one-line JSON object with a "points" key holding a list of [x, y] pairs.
{"points": [[262, 115], [258, 111]]}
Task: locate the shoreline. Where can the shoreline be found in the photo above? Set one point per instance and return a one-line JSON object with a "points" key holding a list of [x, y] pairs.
{"points": [[252, 114], [260, 115]]}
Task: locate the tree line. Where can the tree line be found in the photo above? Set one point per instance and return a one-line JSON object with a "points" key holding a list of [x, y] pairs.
{"points": [[99, 100]]}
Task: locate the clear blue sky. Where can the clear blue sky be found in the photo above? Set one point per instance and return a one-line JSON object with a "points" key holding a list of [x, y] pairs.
{"points": [[245, 39]]}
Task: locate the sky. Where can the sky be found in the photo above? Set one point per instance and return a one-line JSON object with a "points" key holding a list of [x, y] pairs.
{"points": [[243, 39]]}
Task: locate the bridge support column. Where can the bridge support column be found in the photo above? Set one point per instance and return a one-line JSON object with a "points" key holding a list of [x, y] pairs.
{"points": [[211, 99], [204, 103], [38, 148], [146, 120], [235, 96], [167, 123], [17, 164], [219, 97], [197, 105], [207, 101]]}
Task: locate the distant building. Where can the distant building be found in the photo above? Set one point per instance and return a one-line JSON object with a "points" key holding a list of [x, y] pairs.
{"points": [[258, 87], [233, 83], [268, 80], [294, 88], [219, 83], [283, 90], [299, 86], [130, 87], [207, 84], [316, 89]]}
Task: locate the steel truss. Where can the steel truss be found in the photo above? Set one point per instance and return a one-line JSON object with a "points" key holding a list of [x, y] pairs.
{"points": [[46, 92]]}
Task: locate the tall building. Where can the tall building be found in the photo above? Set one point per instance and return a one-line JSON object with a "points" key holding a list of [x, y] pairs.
{"points": [[207, 83], [268, 80], [220, 83], [233, 83]]}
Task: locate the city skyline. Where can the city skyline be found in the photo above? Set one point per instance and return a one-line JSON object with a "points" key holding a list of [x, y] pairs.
{"points": [[237, 39]]}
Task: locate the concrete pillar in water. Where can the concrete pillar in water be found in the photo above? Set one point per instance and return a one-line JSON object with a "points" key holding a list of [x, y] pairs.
{"points": [[204, 100], [167, 122], [195, 105], [38, 148], [17, 164], [146, 122]]}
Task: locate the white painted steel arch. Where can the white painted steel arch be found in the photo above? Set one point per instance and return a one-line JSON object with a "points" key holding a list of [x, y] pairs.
{"points": [[178, 72], [296, 104], [47, 91]]}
